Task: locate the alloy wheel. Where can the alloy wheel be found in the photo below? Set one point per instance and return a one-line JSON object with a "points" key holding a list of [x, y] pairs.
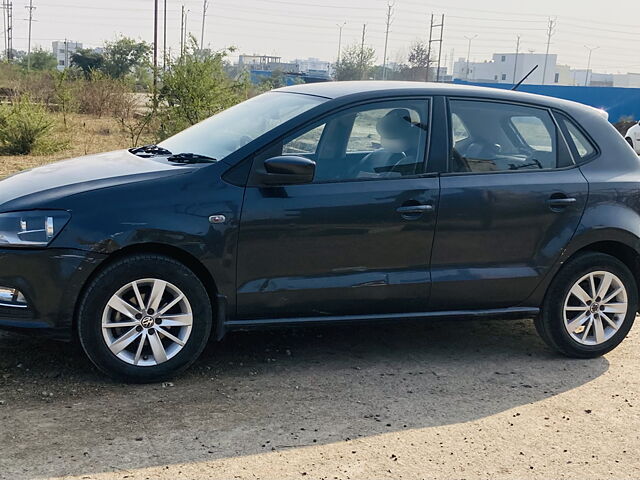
{"points": [[595, 308], [147, 322]]}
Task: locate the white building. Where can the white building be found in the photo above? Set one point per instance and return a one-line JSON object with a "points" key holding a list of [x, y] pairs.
{"points": [[510, 68], [627, 80], [63, 50], [313, 66]]}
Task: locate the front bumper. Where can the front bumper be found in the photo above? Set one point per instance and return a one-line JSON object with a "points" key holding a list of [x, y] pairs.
{"points": [[51, 280]]}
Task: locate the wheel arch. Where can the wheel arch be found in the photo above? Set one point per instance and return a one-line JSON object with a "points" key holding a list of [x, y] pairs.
{"points": [[170, 251], [617, 249]]}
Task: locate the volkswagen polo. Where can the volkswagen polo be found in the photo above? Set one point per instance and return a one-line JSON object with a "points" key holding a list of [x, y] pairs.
{"points": [[330, 203]]}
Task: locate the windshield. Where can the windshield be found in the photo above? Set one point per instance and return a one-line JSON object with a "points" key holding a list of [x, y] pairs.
{"points": [[227, 131]]}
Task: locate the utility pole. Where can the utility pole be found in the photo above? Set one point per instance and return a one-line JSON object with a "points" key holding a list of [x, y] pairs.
{"points": [[515, 65], [587, 79], [205, 6], [429, 49], [386, 39], [340, 27], [440, 40], [66, 54], [31, 8], [164, 39], [362, 69], [4, 23], [9, 31], [182, 33], [551, 30], [186, 32], [155, 45], [470, 39]]}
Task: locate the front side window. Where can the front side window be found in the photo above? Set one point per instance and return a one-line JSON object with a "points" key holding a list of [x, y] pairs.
{"points": [[502, 137], [385, 140]]}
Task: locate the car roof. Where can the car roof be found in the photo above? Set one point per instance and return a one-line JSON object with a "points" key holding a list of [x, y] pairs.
{"points": [[373, 89]]}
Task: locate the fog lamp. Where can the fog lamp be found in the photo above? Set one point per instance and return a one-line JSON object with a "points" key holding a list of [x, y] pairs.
{"points": [[12, 297]]}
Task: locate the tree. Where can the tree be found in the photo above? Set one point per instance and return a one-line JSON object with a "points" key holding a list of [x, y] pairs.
{"points": [[418, 60], [196, 87], [40, 60], [356, 63], [88, 61], [124, 55], [419, 55]]}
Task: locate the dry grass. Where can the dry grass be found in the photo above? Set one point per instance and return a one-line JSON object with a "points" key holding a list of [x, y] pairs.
{"points": [[85, 135]]}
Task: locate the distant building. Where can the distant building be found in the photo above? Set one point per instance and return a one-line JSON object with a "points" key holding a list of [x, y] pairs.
{"points": [[63, 50], [267, 63], [509, 68], [314, 67]]}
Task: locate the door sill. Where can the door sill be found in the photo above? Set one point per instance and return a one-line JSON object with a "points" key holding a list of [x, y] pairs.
{"points": [[503, 313]]}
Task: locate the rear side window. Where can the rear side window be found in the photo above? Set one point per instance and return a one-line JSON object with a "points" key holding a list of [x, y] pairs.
{"points": [[578, 142], [499, 137]]}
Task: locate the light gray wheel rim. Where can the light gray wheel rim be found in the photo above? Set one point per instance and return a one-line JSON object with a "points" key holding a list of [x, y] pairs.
{"points": [[147, 322], [595, 308]]}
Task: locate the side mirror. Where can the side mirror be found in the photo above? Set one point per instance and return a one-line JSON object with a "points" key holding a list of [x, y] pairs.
{"points": [[288, 170]]}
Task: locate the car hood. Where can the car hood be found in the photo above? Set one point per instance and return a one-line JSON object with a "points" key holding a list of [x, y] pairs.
{"points": [[68, 177]]}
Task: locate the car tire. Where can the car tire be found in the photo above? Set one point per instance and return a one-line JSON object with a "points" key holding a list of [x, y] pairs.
{"points": [[144, 318], [574, 316]]}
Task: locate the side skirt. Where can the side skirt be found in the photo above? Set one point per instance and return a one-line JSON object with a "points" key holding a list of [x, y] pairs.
{"points": [[498, 313]]}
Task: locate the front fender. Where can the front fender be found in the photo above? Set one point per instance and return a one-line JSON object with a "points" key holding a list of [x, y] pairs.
{"points": [[169, 212]]}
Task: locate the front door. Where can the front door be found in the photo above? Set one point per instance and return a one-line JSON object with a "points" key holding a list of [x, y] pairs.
{"points": [[510, 202], [358, 239]]}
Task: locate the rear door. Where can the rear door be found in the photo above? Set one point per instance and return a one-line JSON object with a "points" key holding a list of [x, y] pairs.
{"points": [[511, 199]]}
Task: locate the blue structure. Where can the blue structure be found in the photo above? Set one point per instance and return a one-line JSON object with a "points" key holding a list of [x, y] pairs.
{"points": [[618, 102]]}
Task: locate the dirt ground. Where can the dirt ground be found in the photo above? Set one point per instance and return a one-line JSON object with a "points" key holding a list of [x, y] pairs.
{"points": [[449, 400]]}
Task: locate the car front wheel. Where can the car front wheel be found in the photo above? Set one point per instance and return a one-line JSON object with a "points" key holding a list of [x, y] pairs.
{"points": [[590, 306], [144, 318]]}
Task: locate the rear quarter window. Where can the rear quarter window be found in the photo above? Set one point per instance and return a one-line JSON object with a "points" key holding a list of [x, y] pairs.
{"points": [[583, 149]]}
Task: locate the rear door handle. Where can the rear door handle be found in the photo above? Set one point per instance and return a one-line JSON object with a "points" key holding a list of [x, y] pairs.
{"points": [[414, 209]]}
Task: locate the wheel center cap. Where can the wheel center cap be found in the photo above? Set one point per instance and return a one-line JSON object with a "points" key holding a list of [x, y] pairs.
{"points": [[595, 307], [147, 322]]}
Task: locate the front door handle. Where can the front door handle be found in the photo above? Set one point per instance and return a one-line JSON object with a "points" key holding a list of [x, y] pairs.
{"points": [[414, 210], [561, 202]]}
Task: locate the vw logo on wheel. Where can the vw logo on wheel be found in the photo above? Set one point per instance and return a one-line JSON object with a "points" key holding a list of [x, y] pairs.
{"points": [[147, 322]]}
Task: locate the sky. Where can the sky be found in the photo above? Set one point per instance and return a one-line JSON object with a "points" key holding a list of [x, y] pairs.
{"points": [[309, 28]]}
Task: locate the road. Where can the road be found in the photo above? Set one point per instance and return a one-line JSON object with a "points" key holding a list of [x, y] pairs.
{"points": [[451, 399]]}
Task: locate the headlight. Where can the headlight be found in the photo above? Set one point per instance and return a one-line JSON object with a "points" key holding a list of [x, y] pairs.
{"points": [[31, 229]]}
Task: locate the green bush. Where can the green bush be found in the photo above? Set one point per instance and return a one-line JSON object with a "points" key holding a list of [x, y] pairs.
{"points": [[195, 87], [26, 128]]}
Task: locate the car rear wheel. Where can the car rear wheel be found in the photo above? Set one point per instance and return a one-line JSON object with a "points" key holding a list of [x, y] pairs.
{"points": [[590, 306], [144, 318]]}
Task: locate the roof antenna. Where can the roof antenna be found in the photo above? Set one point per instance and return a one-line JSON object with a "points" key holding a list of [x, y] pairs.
{"points": [[515, 87]]}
